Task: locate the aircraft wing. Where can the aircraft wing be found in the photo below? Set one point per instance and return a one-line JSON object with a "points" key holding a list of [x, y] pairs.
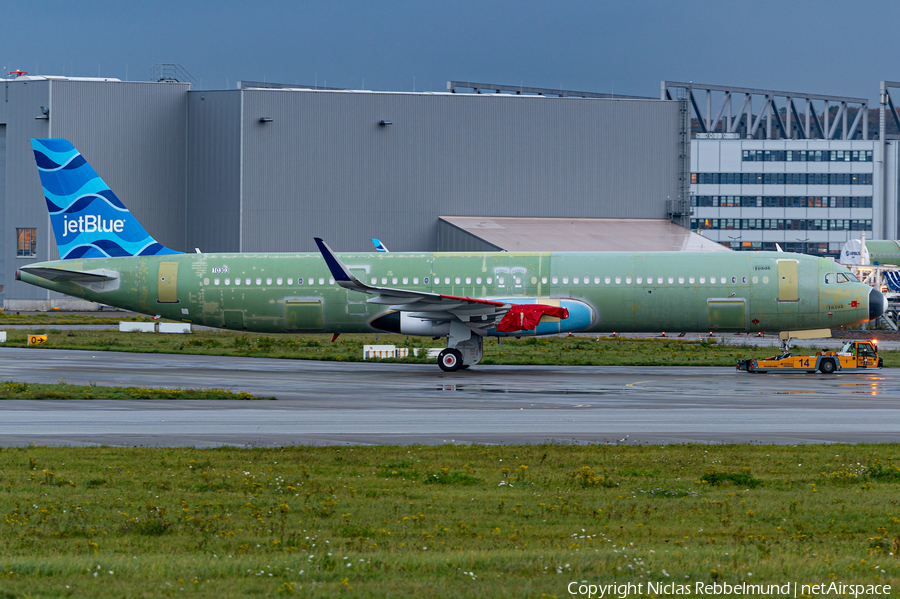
{"points": [[478, 314], [61, 274]]}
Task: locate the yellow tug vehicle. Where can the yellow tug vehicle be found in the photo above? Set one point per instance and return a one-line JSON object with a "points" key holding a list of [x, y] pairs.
{"points": [[853, 356]]}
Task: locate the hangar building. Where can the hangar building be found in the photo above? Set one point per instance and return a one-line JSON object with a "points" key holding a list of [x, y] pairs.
{"points": [[265, 168]]}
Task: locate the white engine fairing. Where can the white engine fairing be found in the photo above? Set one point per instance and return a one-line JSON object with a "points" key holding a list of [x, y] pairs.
{"points": [[410, 325]]}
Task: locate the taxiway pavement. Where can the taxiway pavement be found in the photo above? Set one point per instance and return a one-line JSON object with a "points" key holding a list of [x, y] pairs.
{"points": [[360, 403]]}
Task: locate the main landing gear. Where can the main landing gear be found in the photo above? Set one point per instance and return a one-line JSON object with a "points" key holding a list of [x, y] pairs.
{"points": [[464, 348]]}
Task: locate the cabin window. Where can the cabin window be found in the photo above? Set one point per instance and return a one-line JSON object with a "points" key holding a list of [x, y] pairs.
{"points": [[712, 280], [374, 280], [744, 280], [331, 281], [237, 281], [565, 280], [607, 280], [501, 280], [681, 280], [321, 281], [755, 280], [384, 280], [206, 281], [555, 280], [639, 280], [425, 280], [247, 280], [618, 280], [659, 280], [215, 281], [734, 279], [702, 280], [765, 280], [312, 281], [478, 280], [291, 281], [416, 280], [268, 281], [227, 281], [575, 280], [671, 280], [628, 280], [394, 281], [259, 281], [446, 280], [26, 243], [279, 281], [457, 280], [468, 280], [518, 280], [490, 280], [691, 280], [299, 281], [596, 280], [543, 280], [534, 280], [406, 280]]}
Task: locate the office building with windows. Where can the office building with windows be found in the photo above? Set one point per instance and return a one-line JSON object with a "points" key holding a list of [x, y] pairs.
{"points": [[806, 172]]}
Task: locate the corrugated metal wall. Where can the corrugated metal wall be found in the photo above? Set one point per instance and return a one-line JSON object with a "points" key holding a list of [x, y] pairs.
{"points": [[325, 167], [214, 173], [24, 205], [134, 135]]}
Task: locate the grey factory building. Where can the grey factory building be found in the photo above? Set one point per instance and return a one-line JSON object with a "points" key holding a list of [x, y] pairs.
{"points": [[265, 168]]}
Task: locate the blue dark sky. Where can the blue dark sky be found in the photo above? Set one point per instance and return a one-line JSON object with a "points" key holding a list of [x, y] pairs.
{"points": [[627, 47]]}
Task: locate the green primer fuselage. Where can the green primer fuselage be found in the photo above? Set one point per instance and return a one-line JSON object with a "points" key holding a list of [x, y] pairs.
{"points": [[627, 291]]}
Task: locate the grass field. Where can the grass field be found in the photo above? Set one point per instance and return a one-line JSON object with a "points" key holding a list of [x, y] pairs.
{"points": [[45, 319], [63, 390], [448, 521], [577, 350]]}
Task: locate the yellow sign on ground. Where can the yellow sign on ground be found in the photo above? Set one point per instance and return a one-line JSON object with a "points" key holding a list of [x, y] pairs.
{"points": [[37, 339]]}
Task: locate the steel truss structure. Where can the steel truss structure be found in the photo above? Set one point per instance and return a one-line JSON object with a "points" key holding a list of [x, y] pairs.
{"points": [[455, 87], [778, 117]]}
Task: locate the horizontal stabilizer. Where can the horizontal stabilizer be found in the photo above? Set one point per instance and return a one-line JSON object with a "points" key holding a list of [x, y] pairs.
{"points": [[61, 274]]}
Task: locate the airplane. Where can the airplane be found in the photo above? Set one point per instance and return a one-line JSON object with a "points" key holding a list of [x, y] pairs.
{"points": [[109, 258], [379, 246]]}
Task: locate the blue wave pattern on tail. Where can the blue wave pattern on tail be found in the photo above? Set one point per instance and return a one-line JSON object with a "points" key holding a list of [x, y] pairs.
{"points": [[89, 221]]}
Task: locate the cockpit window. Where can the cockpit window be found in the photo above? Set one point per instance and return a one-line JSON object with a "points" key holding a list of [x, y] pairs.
{"points": [[840, 277]]}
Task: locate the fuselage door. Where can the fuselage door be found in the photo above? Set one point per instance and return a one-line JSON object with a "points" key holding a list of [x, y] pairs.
{"points": [[517, 280], [788, 281], [501, 281], [168, 283]]}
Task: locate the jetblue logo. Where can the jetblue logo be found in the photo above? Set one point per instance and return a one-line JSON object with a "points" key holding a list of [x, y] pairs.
{"points": [[91, 223]]}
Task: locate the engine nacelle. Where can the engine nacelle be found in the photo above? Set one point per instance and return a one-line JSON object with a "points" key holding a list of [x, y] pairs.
{"points": [[404, 324]]}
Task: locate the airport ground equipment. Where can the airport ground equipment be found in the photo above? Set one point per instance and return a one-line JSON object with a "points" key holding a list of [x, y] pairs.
{"points": [[853, 356]]}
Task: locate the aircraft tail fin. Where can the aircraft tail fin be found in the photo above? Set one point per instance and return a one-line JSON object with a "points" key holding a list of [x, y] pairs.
{"points": [[379, 246], [89, 221]]}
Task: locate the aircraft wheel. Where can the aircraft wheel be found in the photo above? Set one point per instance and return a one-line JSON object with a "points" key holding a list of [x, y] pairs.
{"points": [[827, 367], [450, 360]]}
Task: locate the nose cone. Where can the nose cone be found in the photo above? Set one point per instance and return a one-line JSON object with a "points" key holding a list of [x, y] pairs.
{"points": [[877, 304]]}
